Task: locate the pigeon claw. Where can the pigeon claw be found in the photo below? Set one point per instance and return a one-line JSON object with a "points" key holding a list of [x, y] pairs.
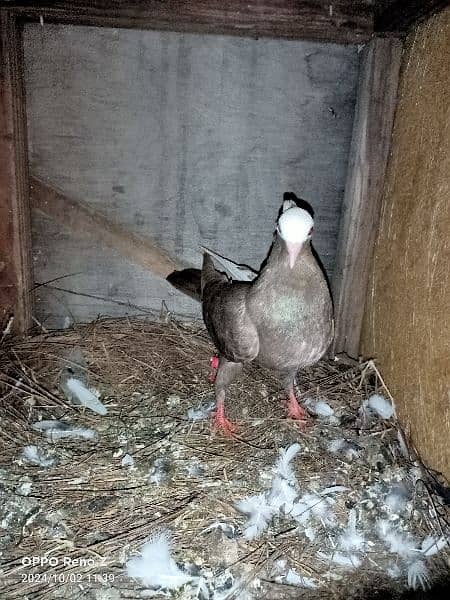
{"points": [[295, 411], [222, 423], [214, 362]]}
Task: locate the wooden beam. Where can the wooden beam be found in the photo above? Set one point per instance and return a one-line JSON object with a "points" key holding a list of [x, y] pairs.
{"points": [[398, 16], [15, 231], [374, 116], [79, 218], [346, 21]]}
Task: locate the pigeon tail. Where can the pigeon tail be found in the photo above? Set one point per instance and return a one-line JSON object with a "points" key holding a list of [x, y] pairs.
{"points": [[187, 281]]}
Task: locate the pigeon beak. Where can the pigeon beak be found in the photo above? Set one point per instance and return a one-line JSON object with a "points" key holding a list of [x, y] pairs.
{"points": [[293, 249]]}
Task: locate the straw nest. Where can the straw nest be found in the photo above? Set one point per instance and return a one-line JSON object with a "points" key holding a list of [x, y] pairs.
{"points": [[186, 478]]}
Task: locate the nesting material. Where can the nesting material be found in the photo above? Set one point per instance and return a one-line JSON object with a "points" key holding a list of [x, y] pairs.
{"points": [[341, 510]]}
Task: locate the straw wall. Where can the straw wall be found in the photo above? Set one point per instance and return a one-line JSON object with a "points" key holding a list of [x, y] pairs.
{"points": [[407, 313]]}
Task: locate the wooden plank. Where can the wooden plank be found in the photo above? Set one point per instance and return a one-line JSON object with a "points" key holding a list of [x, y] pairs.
{"points": [[346, 21], [15, 231], [398, 16], [77, 217], [369, 151]]}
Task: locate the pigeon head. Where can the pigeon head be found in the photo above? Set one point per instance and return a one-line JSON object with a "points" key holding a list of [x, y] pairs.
{"points": [[295, 227]]}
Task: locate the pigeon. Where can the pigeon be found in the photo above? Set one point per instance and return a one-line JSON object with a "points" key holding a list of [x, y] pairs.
{"points": [[281, 319]]}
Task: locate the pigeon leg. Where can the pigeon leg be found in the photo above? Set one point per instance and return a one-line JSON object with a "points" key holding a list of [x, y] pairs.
{"points": [[221, 422], [295, 411], [226, 372]]}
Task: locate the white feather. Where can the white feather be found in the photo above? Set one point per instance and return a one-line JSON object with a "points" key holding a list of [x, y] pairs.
{"points": [[283, 465], [343, 446], [319, 407], [58, 430], [237, 272], [403, 545], [381, 406], [343, 560], [397, 498], [431, 545], [294, 578], [35, 456], [127, 461], [155, 567], [394, 571], [259, 515], [201, 413], [334, 489], [85, 396], [418, 575], [282, 494], [310, 533], [351, 539], [312, 505]]}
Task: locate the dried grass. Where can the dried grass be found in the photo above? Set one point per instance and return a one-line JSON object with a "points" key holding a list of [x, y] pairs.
{"points": [[150, 374]]}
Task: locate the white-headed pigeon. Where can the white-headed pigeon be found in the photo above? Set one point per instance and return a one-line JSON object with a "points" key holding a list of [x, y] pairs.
{"points": [[280, 318]]}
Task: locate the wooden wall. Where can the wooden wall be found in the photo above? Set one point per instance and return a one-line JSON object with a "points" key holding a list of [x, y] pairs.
{"points": [[407, 321], [186, 139]]}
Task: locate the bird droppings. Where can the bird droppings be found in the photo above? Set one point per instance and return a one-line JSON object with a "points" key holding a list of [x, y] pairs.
{"points": [[342, 510]]}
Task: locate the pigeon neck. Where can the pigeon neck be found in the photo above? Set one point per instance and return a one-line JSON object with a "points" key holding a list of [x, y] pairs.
{"points": [[280, 253]]}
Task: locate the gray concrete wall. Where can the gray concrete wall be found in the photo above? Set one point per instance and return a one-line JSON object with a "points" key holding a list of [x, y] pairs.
{"points": [[190, 139]]}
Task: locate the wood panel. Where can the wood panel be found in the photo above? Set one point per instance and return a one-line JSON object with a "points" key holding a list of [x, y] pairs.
{"points": [[407, 322], [80, 219], [360, 215], [15, 237], [183, 139], [348, 21]]}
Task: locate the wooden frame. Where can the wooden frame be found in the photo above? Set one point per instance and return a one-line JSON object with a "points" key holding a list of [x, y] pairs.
{"points": [[372, 128], [347, 22], [15, 230]]}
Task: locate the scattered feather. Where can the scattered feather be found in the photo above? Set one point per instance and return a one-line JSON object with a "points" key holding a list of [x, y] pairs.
{"points": [[155, 567], [228, 529], [259, 515], [67, 323], [382, 407], [343, 560], [160, 471], [397, 498], [85, 396], [319, 407], [310, 533], [418, 575], [312, 505], [294, 578], [57, 430], [340, 446], [351, 539], [35, 456], [201, 413], [283, 465], [334, 489], [432, 545], [24, 489], [394, 571], [127, 461], [403, 545], [282, 495]]}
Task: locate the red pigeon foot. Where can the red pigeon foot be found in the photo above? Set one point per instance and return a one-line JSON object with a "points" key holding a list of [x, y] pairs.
{"points": [[214, 362], [221, 422], [295, 411]]}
